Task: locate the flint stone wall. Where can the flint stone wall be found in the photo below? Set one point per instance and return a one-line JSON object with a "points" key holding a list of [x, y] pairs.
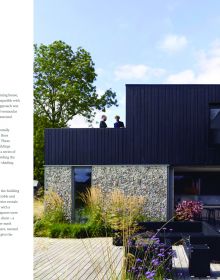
{"points": [[149, 181], [59, 179]]}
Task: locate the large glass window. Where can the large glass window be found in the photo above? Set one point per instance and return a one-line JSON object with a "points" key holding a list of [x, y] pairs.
{"points": [[81, 182], [202, 186], [214, 120]]}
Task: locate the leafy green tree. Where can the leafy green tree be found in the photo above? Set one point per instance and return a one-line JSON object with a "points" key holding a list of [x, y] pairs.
{"points": [[40, 123], [63, 88]]}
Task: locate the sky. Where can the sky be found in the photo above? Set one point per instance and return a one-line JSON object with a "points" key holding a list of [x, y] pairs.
{"points": [[136, 42]]}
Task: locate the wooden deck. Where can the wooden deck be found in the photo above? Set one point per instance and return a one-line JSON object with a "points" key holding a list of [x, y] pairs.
{"points": [[92, 259], [76, 259]]}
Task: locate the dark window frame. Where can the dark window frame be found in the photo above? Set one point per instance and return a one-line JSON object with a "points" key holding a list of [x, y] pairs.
{"points": [[212, 131]]}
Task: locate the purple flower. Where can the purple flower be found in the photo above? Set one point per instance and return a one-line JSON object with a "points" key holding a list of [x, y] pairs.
{"points": [[155, 262], [155, 240], [138, 260], [149, 274], [160, 255]]}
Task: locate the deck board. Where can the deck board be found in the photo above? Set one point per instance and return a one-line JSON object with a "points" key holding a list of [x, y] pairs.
{"points": [[66, 259], [93, 258]]}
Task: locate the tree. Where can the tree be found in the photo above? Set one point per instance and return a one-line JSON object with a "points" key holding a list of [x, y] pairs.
{"points": [[39, 124], [63, 87], [64, 84]]}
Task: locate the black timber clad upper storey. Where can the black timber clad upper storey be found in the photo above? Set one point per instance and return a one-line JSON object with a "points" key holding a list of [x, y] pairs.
{"points": [[165, 124]]}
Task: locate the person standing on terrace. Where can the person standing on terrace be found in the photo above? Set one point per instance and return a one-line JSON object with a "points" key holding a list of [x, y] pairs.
{"points": [[103, 122], [118, 123]]}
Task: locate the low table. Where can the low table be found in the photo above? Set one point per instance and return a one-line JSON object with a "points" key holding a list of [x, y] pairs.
{"points": [[199, 259]]}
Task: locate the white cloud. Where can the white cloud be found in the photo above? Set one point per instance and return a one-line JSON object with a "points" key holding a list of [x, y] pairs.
{"points": [[173, 43], [207, 68], [184, 77], [137, 72], [78, 122]]}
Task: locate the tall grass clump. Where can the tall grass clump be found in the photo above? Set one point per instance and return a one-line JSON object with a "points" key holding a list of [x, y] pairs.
{"points": [[122, 212], [48, 211], [38, 209], [53, 207], [116, 210], [94, 200]]}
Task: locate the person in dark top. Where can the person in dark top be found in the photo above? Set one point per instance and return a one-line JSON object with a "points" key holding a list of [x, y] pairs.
{"points": [[118, 123], [103, 122]]}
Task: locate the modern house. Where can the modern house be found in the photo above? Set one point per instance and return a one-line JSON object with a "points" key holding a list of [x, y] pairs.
{"points": [[169, 150]]}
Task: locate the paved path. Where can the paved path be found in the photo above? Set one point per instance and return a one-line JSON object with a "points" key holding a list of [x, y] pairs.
{"points": [[93, 259]]}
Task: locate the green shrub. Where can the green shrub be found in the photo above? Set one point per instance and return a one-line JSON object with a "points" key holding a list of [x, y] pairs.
{"points": [[41, 228], [55, 230], [64, 230], [80, 231], [68, 231]]}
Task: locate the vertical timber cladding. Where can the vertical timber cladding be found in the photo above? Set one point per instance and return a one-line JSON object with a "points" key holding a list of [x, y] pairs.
{"points": [[59, 179], [149, 181]]}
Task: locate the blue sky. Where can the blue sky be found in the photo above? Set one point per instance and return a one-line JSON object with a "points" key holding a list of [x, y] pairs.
{"points": [[142, 41]]}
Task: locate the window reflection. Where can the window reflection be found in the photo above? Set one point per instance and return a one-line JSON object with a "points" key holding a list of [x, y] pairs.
{"points": [[201, 186], [82, 181], [214, 119]]}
